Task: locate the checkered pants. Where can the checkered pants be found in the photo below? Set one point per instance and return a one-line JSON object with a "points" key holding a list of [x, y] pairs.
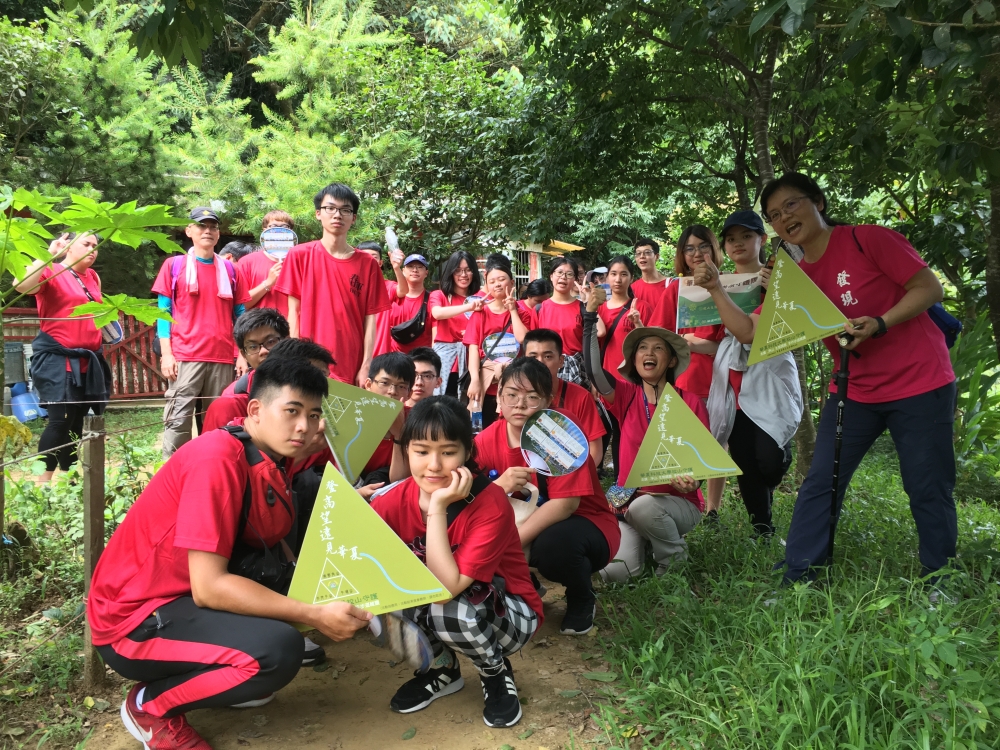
{"points": [[475, 629], [572, 370], [449, 354]]}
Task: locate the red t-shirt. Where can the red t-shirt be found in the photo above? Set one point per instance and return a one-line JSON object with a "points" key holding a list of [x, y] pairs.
{"points": [[452, 330], [483, 538], [630, 409], [203, 323], [579, 405], [192, 503], [382, 457], [406, 309], [648, 293], [225, 409], [253, 270], [335, 295], [230, 390], [57, 298], [383, 339], [566, 320], [493, 452], [485, 322], [613, 348], [912, 358], [697, 378]]}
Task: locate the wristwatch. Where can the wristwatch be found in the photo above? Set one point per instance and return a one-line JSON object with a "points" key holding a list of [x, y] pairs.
{"points": [[882, 330]]}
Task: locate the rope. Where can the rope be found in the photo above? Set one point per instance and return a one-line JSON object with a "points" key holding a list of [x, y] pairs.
{"points": [[41, 643]]}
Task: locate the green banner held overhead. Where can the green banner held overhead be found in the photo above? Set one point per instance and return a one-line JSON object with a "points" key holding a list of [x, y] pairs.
{"points": [[795, 313], [356, 422], [678, 444], [350, 554]]}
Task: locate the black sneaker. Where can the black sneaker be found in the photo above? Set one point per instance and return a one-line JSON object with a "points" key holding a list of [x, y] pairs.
{"points": [[426, 688], [313, 654], [579, 619], [502, 709]]}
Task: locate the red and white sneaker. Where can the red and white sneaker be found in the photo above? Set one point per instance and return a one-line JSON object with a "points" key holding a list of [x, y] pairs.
{"points": [[156, 733]]}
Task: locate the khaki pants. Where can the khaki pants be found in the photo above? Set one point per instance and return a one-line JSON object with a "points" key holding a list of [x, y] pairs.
{"points": [[198, 384], [659, 520]]}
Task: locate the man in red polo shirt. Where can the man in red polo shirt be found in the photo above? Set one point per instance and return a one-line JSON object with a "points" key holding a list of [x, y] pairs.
{"points": [[334, 291], [163, 607], [545, 345]]}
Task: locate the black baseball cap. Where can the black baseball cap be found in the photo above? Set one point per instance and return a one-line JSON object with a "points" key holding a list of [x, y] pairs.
{"points": [[201, 213], [748, 219]]}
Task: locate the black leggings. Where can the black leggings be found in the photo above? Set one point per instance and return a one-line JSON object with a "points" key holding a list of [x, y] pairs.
{"points": [[570, 552], [489, 410], [763, 463], [616, 445], [65, 425], [192, 657]]}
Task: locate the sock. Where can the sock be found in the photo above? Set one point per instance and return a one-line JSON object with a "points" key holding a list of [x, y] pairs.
{"points": [[445, 659], [139, 696]]}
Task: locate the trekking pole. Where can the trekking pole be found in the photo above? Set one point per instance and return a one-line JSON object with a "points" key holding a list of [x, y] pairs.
{"points": [[838, 441]]}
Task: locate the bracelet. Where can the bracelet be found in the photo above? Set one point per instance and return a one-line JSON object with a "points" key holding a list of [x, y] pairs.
{"points": [[397, 442], [882, 329]]}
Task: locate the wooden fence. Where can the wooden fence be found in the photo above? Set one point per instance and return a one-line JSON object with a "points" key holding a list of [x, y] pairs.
{"points": [[135, 368]]}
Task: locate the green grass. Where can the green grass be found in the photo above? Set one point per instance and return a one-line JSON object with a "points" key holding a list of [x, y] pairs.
{"points": [[714, 655]]}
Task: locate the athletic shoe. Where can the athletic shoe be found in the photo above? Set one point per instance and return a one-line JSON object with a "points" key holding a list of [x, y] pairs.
{"points": [[502, 709], [314, 653], [427, 687], [255, 703], [579, 619], [156, 733]]}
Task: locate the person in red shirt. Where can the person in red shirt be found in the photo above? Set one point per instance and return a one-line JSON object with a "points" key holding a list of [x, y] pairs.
{"points": [[501, 314], [535, 293], [660, 515], [562, 314], [163, 607], [410, 298], [451, 308], [696, 243], [466, 535], [903, 379], [204, 296], [573, 534], [335, 292], [545, 345], [68, 368], [427, 366], [651, 285]]}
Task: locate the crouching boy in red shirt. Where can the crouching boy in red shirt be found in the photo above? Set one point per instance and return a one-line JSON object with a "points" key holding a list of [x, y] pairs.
{"points": [[164, 608]]}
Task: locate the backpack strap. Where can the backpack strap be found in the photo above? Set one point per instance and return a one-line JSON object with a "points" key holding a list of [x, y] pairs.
{"points": [[479, 483], [243, 386], [614, 325], [253, 456]]}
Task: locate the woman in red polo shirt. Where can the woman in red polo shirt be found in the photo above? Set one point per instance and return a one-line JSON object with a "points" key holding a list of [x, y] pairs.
{"points": [[562, 313], [473, 548], [573, 534], [902, 381], [68, 369], [451, 308]]}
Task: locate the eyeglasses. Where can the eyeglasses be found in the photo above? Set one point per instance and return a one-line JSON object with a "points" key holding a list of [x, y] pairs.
{"points": [[268, 343], [463, 271], [564, 275], [390, 387], [788, 207], [703, 249], [426, 377], [532, 400], [645, 254], [338, 210]]}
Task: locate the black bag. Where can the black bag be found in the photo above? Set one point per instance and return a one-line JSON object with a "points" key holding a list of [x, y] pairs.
{"points": [[270, 567], [411, 330]]}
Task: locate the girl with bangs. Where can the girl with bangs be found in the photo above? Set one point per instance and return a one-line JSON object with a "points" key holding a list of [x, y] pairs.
{"points": [[451, 307], [563, 313], [464, 531]]}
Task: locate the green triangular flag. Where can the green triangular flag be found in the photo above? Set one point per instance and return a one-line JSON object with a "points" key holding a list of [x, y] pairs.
{"points": [[350, 554], [795, 313], [356, 422], [678, 444]]}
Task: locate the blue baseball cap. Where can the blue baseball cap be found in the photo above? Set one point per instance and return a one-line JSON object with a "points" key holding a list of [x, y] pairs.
{"points": [[416, 257], [748, 219]]}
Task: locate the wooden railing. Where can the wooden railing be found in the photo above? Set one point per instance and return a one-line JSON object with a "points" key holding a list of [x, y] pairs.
{"points": [[135, 368]]}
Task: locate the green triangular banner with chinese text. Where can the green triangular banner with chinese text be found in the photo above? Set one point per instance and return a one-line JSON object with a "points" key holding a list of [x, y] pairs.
{"points": [[356, 420], [795, 313], [350, 554], [678, 444]]}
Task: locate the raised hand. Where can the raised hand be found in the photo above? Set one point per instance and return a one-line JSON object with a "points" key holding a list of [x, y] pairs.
{"points": [[634, 318], [457, 489], [706, 275]]}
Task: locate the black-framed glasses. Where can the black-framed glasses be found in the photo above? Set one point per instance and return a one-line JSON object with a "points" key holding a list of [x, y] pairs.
{"points": [[645, 254], [426, 377], [269, 343], [338, 210], [788, 207], [703, 249]]}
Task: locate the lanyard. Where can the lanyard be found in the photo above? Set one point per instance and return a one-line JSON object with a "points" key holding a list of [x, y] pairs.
{"points": [[645, 402]]}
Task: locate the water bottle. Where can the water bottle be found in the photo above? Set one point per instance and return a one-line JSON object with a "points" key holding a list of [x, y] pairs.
{"points": [[477, 418], [391, 240]]}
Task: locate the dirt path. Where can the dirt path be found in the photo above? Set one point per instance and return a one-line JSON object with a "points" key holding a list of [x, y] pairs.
{"points": [[347, 705]]}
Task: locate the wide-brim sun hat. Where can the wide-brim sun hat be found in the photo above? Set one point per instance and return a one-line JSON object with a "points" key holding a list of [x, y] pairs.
{"points": [[676, 342]]}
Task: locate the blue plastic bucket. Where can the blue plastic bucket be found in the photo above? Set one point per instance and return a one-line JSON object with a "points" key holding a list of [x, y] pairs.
{"points": [[26, 407]]}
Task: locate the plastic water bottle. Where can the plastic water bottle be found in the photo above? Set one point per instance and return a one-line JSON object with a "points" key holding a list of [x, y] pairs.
{"points": [[477, 418], [391, 240]]}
